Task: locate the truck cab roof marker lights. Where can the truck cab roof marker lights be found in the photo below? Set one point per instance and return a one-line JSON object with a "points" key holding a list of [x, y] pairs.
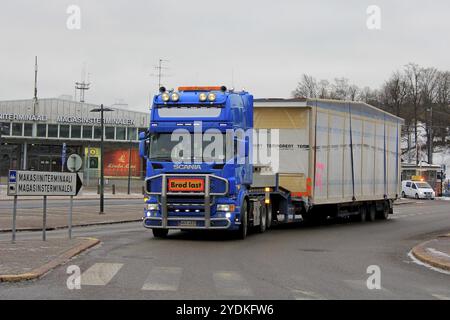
{"points": [[202, 88]]}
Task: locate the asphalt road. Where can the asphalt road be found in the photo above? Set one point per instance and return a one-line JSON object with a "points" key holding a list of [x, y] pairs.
{"points": [[294, 262]]}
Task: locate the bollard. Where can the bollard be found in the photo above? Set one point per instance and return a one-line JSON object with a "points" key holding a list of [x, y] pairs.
{"points": [[113, 189], [98, 189], [143, 190]]}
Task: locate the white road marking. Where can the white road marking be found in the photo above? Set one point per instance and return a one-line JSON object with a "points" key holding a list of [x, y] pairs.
{"points": [[440, 297], [163, 279], [417, 261], [439, 253], [229, 283], [306, 295], [100, 274]]}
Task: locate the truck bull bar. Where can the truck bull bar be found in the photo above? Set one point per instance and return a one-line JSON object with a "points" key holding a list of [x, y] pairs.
{"points": [[206, 193]]}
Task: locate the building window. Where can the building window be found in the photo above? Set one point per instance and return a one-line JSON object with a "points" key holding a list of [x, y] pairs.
{"points": [[109, 133], [5, 128], [17, 129], [53, 131], [41, 130], [28, 130], [97, 132], [75, 132], [131, 134], [64, 131], [87, 132], [120, 133]]}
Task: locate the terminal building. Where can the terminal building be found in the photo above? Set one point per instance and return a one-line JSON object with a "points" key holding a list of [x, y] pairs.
{"points": [[40, 135]]}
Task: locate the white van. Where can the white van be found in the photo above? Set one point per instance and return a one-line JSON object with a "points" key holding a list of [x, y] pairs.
{"points": [[417, 189]]}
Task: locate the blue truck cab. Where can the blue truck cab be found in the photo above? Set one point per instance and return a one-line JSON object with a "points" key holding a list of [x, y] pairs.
{"points": [[197, 150]]}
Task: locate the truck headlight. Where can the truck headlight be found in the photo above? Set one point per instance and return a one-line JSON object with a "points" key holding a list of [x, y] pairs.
{"points": [[165, 97], [211, 97], [152, 206], [202, 97], [175, 97], [226, 207]]}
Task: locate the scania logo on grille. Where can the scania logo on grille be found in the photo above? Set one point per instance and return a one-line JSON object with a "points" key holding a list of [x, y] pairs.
{"points": [[187, 167]]}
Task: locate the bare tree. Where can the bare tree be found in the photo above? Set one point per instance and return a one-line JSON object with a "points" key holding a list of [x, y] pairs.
{"points": [[396, 90], [413, 75], [428, 86], [306, 88], [323, 89]]}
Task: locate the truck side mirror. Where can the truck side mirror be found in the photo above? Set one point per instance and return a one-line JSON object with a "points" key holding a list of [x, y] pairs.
{"points": [[143, 145]]}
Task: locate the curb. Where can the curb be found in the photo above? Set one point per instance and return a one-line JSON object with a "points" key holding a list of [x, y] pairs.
{"points": [[44, 269], [73, 226], [420, 253], [124, 197]]}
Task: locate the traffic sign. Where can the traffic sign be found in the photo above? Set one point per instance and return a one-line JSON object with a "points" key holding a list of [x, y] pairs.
{"points": [[74, 163], [43, 183]]}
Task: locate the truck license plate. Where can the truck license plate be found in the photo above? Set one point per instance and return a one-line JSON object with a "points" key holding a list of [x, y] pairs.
{"points": [[187, 223], [183, 184]]}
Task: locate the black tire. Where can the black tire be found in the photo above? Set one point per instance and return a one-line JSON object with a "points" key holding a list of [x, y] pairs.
{"points": [[403, 194], [384, 215], [263, 223], [160, 233], [417, 196], [372, 212], [243, 228], [269, 216], [362, 216]]}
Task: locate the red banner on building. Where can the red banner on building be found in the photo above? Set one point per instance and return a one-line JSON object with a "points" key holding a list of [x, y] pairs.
{"points": [[117, 161]]}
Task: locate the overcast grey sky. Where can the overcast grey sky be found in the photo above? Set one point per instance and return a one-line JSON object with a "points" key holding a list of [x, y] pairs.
{"points": [[267, 45]]}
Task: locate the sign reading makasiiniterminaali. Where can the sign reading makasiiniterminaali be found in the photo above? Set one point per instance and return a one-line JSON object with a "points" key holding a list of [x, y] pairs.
{"points": [[43, 183]]}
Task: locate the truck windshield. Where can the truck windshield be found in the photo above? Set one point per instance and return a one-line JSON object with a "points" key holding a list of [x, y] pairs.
{"points": [[167, 148], [423, 185]]}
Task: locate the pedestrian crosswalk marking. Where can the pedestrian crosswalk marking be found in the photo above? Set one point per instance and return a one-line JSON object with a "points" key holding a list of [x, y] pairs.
{"points": [[163, 279], [229, 283], [100, 274], [306, 295]]}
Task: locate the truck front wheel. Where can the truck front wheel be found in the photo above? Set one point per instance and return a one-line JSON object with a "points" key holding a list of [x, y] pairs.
{"points": [[242, 232], [160, 233]]}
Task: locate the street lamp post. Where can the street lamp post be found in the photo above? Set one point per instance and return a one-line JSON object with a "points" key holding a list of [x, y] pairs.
{"points": [[129, 168], [102, 175]]}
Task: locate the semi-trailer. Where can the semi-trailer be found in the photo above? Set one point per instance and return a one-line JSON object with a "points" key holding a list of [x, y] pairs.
{"points": [[217, 159]]}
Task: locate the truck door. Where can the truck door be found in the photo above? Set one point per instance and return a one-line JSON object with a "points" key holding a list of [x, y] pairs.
{"points": [[413, 189]]}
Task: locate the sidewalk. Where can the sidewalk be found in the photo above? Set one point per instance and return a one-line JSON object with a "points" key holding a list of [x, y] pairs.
{"points": [[27, 260], [30, 219], [434, 252]]}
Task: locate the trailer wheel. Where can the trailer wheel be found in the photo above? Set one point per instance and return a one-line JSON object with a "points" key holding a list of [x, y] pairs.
{"points": [[362, 216], [243, 228], [263, 220], [372, 212], [160, 233], [269, 216], [384, 215]]}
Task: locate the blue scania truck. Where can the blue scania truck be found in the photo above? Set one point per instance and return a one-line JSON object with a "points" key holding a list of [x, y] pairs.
{"points": [[328, 159]]}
